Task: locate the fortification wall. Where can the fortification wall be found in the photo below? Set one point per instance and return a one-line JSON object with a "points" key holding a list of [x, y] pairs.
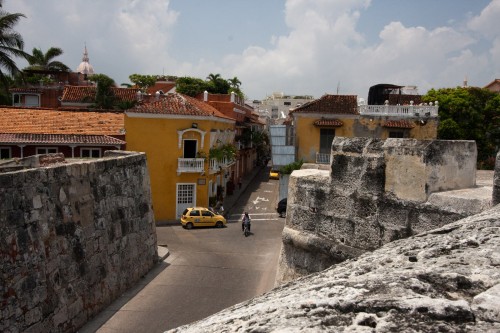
{"points": [[377, 191], [73, 237]]}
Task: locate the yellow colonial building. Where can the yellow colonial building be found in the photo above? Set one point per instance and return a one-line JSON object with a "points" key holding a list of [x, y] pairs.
{"points": [[316, 123], [178, 133]]}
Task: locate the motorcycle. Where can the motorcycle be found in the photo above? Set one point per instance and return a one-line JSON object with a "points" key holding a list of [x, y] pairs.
{"points": [[246, 229]]}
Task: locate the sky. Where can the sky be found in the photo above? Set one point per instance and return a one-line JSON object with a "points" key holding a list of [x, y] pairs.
{"points": [[298, 47]]}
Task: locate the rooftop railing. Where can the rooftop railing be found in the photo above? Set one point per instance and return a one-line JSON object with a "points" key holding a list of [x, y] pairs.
{"points": [[427, 110]]}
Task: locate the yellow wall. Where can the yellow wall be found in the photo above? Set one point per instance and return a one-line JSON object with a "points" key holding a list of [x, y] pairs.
{"points": [[158, 138], [308, 135]]}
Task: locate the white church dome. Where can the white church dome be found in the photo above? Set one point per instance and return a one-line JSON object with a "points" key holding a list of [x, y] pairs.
{"points": [[85, 67]]}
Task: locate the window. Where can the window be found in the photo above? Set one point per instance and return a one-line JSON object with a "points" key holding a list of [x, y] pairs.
{"points": [[207, 213], [326, 136], [190, 148], [287, 103], [5, 152], [90, 152], [396, 134], [46, 150], [195, 213]]}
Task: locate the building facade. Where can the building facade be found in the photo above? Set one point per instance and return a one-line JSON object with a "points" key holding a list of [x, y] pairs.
{"points": [[180, 136], [316, 123]]}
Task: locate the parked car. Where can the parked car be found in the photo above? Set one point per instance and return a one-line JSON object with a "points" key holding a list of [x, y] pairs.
{"points": [[274, 174], [201, 217], [281, 208]]}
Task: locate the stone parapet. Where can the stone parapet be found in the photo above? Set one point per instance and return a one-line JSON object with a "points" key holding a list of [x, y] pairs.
{"points": [[73, 237], [360, 204]]}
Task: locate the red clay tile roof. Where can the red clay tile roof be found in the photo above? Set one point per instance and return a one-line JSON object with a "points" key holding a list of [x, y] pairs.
{"points": [[328, 122], [399, 124], [43, 121], [330, 104], [16, 138], [178, 104], [163, 86], [86, 94]]}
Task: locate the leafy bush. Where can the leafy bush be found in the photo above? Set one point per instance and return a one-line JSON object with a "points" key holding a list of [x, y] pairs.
{"points": [[288, 169]]}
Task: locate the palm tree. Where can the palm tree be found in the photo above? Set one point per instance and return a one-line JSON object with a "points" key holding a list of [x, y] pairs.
{"points": [[235, 83], [11, 45], [39, 60], [217, 84], [213, 77]]}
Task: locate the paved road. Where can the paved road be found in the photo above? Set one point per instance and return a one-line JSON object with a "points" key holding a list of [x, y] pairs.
{"points": [[208, 269]]}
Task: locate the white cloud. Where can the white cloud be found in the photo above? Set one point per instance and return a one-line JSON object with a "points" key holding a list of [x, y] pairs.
{"points": [[322, 50], [487, 22]]}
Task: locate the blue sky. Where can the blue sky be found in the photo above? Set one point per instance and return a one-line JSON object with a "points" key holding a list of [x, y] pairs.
{"points": [[293, 46]]}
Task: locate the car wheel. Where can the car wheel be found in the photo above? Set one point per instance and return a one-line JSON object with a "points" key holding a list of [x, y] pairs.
{"points": [[219, 224], [189, 225]]}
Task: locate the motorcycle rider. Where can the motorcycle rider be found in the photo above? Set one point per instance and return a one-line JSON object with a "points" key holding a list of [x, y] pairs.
{"points": [[245, 220]]}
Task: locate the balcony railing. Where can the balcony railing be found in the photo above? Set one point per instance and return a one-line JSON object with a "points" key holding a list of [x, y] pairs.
{"points": [[216, 165], [399, 110], [190, 165], [322, 158]]}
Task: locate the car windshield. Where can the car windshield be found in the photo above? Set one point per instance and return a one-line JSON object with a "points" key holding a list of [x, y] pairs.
{"points": [[185, 211]]}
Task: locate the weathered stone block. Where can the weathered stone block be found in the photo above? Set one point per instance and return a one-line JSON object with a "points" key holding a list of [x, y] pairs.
{"points": [[417, 168]]}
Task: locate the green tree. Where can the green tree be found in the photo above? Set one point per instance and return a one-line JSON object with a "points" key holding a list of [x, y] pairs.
{"points": [[143, 81], [45, 61], [190, 86], [104, 97], [11, 45], [469, 114]]}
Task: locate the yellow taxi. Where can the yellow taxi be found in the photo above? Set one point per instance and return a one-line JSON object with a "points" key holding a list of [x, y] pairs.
{"points": [[201, 217], [274, 174]]}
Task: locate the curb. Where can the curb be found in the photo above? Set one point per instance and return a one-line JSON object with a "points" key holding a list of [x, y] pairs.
{"points": [[163, 253]]}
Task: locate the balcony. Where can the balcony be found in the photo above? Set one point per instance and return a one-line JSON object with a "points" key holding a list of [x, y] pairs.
{"points": [[322, 158], [192, 165], [428, 110], [216, 166]]}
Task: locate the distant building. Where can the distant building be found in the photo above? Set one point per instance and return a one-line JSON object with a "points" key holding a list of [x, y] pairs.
{"points": [[276, 106], [493, 86], [318, 122]]}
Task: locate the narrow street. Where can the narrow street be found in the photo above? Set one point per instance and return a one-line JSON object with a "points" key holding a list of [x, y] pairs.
{"points": [[208, 269]]}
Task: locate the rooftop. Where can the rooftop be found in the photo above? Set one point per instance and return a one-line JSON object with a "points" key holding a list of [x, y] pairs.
{"points": [[46, 121]]}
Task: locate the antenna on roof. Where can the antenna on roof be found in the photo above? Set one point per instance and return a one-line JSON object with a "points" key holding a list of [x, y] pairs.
{"points": [[338, 87]]}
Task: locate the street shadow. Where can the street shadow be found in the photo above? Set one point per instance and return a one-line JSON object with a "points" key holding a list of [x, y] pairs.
{"points": [[106, 314]]}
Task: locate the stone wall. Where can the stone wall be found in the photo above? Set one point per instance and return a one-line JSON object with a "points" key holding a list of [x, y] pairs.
{"points": [[73, 237], [376, 192]]}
